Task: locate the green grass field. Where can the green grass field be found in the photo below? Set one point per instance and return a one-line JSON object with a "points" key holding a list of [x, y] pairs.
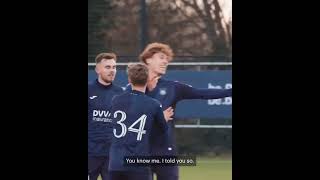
{"points": [[207, 169]]}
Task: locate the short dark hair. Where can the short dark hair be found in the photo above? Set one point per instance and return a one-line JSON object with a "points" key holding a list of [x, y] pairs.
{"points": [[105, 56], [138, 74]]}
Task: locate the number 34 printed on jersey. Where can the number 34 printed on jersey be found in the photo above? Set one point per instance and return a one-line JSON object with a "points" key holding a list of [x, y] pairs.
{"points": [[140, 131]]}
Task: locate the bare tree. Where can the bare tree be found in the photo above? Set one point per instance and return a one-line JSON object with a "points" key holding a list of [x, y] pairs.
{"points": [[211, 22], [99, 20], [191, 27]]}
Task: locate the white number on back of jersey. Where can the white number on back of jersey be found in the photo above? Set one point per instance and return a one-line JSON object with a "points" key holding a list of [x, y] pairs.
{"points": [[140, 131], [123, 126]]}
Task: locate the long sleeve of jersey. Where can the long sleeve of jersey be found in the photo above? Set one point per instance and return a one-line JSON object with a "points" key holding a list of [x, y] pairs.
{"points": [[188, 92]]}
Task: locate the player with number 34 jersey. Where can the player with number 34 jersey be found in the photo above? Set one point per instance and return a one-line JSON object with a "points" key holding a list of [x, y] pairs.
{"points": [[134, 118], [133, 125]]}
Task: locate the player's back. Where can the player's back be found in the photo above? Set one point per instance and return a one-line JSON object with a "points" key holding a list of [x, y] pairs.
{"points": [[135, 116]]}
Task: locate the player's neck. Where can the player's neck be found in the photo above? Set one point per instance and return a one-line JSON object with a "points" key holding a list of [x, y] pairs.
{"points": [[139, 88], [103, 82], [153, 75], [153, 80]]}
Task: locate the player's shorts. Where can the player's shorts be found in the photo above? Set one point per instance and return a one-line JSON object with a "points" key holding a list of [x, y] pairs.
{"points": [[98, 166]]}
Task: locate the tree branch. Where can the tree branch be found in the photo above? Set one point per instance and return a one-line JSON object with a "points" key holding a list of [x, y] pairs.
{"points": [[191, 18]]}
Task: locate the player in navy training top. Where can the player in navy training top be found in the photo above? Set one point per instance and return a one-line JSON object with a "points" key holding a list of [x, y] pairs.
{"points": [[100, 94], [135, 117], [157, 57]]}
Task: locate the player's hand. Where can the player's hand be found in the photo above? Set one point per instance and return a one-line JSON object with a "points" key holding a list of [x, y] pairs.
{"points": [[168, 113]]}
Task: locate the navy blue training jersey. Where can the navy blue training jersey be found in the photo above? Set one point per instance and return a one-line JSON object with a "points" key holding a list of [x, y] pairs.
{"points": [[169, 93], [99, 127], [135, 117]]}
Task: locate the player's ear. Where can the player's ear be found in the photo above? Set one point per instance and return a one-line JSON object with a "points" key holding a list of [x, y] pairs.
{"points": [[96, 69], [129, 80], [147, 61]]}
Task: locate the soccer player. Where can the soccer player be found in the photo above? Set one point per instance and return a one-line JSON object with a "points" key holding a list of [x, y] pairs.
{"points": [[135, 117], [156, 56], [100, 94]]}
